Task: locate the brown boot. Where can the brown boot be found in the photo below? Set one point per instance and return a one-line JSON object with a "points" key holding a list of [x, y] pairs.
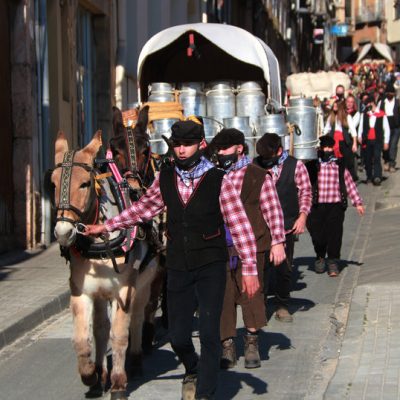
{"points": [[228, 359], [251, 354], [282, 314], [189, 387]]}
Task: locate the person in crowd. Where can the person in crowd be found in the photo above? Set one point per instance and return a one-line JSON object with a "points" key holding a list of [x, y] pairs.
{"points": [[396, 84], [200, 199], [294, 190], [263, 209], [340, 127], [331, 185], [339, 93], [353, 113], [374, 136], [390, 106]]}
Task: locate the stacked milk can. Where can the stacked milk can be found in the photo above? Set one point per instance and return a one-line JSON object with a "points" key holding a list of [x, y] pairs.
{"points": [[221, 104]]}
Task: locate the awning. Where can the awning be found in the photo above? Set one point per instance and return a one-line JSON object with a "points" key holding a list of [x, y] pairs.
{"points": [[375, 51], [223, 52]]}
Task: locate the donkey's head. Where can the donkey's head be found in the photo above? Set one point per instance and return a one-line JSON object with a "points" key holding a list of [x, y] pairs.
{"points": [[75, 194], [123, 152]]}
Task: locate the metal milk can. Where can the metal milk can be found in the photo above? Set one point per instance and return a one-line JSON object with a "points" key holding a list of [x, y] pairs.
{"points": [[162, 127], [250, 101], [220, 101], [243, 125], [303, 114], [273, 123], [193, 99], [161, 92], [211, 127]]}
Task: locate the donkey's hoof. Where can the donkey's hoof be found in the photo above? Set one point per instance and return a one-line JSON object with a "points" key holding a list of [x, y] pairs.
{"points": [[118, 395], [90, 380], [95, 391]]}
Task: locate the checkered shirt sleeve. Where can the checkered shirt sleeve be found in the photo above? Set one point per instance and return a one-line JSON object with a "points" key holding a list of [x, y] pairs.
{"points": [[237, 222], [304, 188], [147, 207], [352, 191], [272, 210]]}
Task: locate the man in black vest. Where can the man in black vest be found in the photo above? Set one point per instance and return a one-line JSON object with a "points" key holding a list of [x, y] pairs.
{"points": [[374, 136], [261, 203], [390, 105], [294, 191], [200, 199]]}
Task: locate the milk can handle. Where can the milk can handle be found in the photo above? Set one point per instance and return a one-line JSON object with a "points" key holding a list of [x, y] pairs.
{"points": [[297, 130]]}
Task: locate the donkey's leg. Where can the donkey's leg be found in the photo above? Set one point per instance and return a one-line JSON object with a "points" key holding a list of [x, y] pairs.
{"points": [[143, 292], [82, 312], [119, 340], [101, 333]]}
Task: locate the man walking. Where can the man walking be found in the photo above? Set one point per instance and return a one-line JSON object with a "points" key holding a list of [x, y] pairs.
{"points": [[200, 199], [262, 207], [294, 190]]}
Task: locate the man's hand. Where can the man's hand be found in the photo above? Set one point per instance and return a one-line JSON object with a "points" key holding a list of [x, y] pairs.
{"points": [[277, 254], [386, 146], [360, 210], [250, 285], [300, 224], [94, 230], [354, 148]]}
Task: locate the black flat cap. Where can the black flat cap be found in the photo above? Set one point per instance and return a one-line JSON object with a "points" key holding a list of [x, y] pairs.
{"points": [[326, 141], [268, 145], [228, 137], [187, 131]]}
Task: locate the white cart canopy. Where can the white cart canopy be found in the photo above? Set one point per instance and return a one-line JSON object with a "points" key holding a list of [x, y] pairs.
{"points": [[375, 51], [222, 52]]}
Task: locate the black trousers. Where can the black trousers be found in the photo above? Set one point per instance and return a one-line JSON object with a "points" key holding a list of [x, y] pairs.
{"points": [[373, 165], [348, 158], [278, 279], [325, 224], [205, 287]]}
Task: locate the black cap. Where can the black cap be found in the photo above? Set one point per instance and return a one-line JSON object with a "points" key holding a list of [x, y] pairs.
{"points": [[187, 131], [268, 145], [227, 137], [326, 141]]}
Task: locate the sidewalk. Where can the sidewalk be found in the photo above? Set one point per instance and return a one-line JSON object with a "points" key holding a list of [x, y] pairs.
{"points": [[369, 361], [33, 287]]}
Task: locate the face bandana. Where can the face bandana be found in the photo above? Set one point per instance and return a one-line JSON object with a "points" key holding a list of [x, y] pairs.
{"points": [[326, 156], [190, 162], [227, 161], [268, 163]]}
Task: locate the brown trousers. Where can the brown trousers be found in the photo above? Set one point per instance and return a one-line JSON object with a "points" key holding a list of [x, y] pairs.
{"points": [[253, 309]]}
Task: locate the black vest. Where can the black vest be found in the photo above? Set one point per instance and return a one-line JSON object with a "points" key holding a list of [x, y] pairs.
{"points": [[288, 192], [394, 120], [195, 230], [346, 136], [378, 129], [313, 168]]}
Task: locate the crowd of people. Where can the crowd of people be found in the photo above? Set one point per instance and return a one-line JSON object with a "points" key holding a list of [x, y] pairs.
{"points": [[231, 222]]}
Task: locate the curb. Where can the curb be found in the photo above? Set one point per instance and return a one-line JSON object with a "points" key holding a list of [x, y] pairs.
{"points": [[28, 320]]}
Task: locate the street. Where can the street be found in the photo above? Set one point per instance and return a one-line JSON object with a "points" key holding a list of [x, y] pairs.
{"points": [[298, 359]]}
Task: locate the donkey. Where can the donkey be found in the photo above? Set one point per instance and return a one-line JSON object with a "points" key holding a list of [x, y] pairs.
{"points": [[83, 196]]}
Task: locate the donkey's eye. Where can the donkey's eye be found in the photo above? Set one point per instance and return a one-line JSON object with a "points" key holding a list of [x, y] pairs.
{"points": [[85, 185]]}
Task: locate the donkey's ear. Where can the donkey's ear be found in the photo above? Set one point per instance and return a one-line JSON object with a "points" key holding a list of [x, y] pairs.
{"points": [[61, 147], [143, 117], [94, 145]]}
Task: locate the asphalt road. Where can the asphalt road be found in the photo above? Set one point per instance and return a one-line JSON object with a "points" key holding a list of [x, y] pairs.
{"points": [[42, 365]]}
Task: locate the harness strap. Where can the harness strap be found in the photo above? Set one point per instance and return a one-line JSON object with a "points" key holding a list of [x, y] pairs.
{"points": [[131, 149], [66, 179], [109, 252]]}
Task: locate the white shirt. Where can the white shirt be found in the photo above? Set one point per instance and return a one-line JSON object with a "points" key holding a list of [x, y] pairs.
{"points": [[338, 126], [389, 107], [372, 121]]}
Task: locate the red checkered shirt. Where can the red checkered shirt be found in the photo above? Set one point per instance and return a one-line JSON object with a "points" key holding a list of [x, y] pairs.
{"points": [[269, 204], [329, 187], [303, 184], [232, 211]]}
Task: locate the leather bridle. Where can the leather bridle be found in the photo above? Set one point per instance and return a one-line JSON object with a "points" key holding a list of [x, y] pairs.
{"points": [[64, 203]]}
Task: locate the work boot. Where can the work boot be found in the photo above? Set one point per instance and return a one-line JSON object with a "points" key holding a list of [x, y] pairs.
{"points": [[189, 387], [251, 354], [377, 181], [333, 268], [282, 314], [228, 359], [319, 265]]}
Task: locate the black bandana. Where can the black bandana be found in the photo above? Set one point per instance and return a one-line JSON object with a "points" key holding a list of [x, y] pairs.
{"points": [[226, 161]]}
